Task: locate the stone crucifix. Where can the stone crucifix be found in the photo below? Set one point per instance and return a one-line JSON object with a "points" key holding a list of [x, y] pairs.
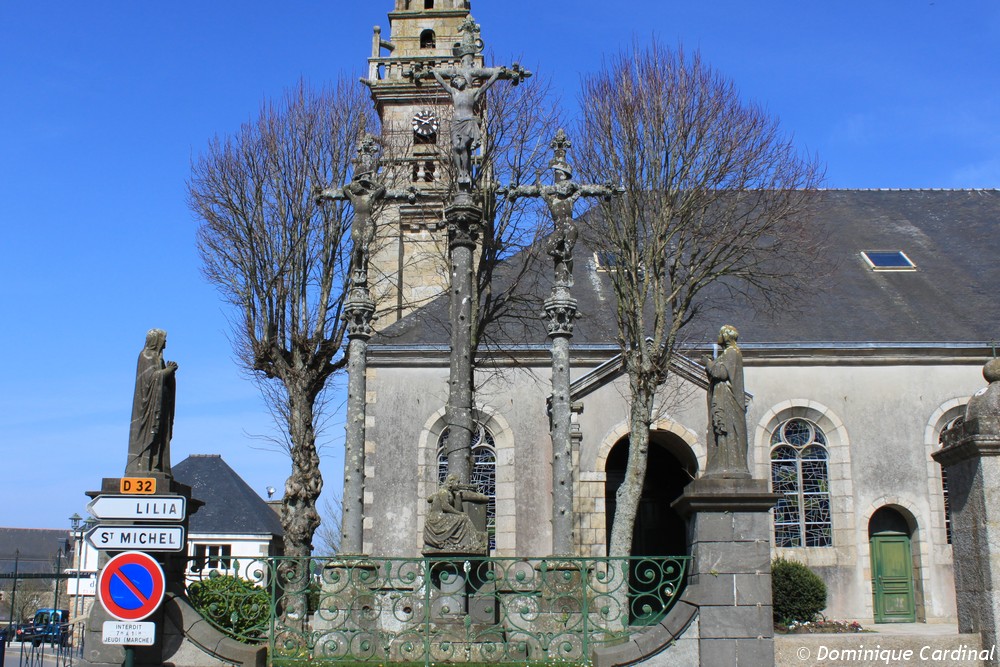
{"points": [[365, 192], [560, 309], [460, 83], [561, 197]]}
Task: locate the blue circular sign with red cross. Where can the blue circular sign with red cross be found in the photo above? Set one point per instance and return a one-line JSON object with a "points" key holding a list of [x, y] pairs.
{"points": [[131, 586]]}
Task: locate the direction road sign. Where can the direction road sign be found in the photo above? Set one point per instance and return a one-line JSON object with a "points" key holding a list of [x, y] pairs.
{"points": [[147, 538], [131, 586], [147, 508]]}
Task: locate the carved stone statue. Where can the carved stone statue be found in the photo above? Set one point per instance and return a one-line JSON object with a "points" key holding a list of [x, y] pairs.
{"points": [[364, 192], [460, 83], [727, 410], [152, 408], [448, 528], [561, 197]]}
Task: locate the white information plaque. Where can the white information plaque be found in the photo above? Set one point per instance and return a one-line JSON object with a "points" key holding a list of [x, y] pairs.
{"points": [[123, 633]]}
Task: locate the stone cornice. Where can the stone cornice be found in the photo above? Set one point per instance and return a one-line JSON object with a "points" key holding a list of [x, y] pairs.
{"points": [[969, 447]]}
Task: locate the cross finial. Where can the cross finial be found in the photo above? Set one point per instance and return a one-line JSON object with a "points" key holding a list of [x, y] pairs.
{"points": [[560, 147], [366, 160], [471, 43]]}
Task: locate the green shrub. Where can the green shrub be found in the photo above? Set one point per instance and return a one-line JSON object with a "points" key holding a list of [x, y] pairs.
{"points": [[233, 605], [798, 592]]}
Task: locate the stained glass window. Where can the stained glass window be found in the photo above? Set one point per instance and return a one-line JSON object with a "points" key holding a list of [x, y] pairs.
{"points": [[800, 473], [484, 472]]}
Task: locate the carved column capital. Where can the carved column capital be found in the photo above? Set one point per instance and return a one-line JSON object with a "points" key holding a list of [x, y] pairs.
{"points": [[359, 311], [465, 223], [560, 311]]}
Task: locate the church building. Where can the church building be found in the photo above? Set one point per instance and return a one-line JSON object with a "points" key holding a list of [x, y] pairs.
{"points": [[850, 390]]}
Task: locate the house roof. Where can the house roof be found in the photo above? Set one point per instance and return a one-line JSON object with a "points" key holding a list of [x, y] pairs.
{"points": [[34, 550], [950, 235], [231, 506]]}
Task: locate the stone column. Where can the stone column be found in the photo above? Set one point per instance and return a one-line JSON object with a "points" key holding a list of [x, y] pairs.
{"points": [[729, 525], [971, 457], [464, 223], [561, 311], [358, 311]]}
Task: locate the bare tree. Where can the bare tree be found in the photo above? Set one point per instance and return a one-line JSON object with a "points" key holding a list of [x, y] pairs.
{"points": [[30, 595], [715, 197], [283, 262]]}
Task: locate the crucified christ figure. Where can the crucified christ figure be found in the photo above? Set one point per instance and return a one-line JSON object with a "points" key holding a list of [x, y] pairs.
{"points": [[466, 135], [460, 83], [365, 193], [560, 197]]}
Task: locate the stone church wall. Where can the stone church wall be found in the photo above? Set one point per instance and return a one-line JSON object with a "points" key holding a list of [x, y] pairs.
{"points": [[880, 420]]}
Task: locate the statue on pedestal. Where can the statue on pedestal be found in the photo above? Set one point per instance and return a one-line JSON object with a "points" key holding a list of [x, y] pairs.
{"points": [[727, 410], [152, 409]]}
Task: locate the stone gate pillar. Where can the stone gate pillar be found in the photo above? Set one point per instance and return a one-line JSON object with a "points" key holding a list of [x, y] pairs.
{"points": [[971, 457]]}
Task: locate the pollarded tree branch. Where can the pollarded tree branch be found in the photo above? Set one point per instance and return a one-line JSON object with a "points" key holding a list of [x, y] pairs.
{"points": [[715, 196]]}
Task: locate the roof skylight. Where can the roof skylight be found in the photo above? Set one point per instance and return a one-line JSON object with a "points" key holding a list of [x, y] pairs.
{"points": [[888, 260]]}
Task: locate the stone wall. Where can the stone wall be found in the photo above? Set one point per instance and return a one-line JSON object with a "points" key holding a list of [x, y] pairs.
{"points": [[881, 418]]}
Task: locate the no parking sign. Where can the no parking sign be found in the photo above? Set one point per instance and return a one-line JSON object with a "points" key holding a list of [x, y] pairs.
{"points": [[131, 586]]}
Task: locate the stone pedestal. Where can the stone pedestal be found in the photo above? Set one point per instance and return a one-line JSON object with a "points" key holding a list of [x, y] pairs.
{"points": [[730, 580], [971, 457]]}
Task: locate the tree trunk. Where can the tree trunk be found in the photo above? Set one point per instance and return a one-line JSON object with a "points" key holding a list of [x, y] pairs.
{"points": [[630, 492], [299, 517]]}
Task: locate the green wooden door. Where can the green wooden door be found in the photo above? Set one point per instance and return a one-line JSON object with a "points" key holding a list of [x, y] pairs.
{"points": [[892, 579]]}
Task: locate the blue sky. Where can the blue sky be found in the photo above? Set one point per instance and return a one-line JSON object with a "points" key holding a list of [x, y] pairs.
{"points": [[105, 104]]}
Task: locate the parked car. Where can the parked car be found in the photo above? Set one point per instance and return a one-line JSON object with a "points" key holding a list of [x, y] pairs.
{"points": [[50, 626], [16, 632]]}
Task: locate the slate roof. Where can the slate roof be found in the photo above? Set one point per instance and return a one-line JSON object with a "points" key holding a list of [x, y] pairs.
{"points": [[34, 549], [953, 237], [231, 506]]}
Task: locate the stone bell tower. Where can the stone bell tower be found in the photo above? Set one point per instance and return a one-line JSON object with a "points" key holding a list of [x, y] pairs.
{"points": [[409, 261]]}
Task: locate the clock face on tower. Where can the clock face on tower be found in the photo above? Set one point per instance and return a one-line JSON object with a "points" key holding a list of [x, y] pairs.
{"points": [[425, 123]]}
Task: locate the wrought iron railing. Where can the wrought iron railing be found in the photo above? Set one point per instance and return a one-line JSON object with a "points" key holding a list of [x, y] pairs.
{"points": [[433, 610]]}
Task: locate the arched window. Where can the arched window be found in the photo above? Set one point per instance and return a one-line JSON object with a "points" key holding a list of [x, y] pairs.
{"points": [[800, 473], [428, 40], [484, 472]]}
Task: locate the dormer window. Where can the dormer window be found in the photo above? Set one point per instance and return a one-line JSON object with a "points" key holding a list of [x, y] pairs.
{"points": [[428, 40], [606, 261], [888, 260]]}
